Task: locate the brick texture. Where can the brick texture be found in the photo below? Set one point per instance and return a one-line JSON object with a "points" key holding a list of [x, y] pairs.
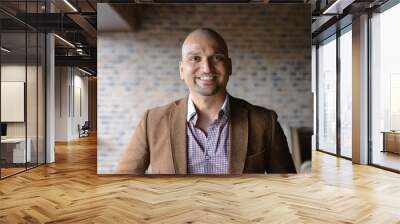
{"points": [[270, 47]]}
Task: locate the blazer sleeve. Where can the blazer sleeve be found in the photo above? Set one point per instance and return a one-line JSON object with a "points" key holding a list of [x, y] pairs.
{"points": [[136, 157], [279, 159]]}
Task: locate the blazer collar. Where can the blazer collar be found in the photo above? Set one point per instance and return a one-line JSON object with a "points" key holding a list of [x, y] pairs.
{"points": [[238, 136], [178, 135]]}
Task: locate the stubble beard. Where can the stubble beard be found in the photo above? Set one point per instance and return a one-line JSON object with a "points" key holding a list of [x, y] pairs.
{"points": [[206, 91]]}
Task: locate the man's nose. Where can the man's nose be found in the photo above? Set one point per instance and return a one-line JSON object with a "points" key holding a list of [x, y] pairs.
{"points": [[206, 66]]}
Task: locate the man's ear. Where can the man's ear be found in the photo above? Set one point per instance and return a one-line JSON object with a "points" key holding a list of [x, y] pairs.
{"points": [[180, 70]]}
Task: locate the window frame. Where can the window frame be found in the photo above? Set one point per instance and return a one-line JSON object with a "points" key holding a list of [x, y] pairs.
{"points": [[336, 35], [378, 10]]}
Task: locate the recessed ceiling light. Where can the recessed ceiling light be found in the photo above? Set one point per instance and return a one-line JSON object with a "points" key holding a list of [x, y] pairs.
{"points": [[70, 5], [64, 40], [5, 49], [84, 71], [337, 7]]}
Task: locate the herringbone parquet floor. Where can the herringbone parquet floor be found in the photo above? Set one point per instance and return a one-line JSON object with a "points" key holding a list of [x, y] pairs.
{"points": [[70, 191]]}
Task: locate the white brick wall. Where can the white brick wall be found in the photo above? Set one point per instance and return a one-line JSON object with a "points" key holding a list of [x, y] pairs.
{"points": [[270, 47]]}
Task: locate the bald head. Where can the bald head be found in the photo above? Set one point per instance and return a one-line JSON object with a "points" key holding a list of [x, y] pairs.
{"points": [[204, 36], [205, 66]]}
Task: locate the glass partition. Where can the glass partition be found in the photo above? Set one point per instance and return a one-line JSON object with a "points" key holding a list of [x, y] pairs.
{"points": [[385, 89], [31, 100], [22, 77], [32, 86], [13, 110], [327, 95], [41, 88], [346, 92]]}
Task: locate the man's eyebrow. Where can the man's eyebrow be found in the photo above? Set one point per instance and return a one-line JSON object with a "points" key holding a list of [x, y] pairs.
{"points": [[192, 53], [219, 51]]}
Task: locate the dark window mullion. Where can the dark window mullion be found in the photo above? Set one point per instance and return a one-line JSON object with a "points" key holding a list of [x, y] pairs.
{"points": [[369, 91], [26, 86], [338, 73], [317, 96], [37, 90]]}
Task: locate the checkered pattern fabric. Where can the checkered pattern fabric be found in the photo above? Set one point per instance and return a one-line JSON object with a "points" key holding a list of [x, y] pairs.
{"points": [[208, 153]]}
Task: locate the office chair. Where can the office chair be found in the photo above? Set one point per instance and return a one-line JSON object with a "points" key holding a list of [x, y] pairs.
{"points": [[84, 130]]}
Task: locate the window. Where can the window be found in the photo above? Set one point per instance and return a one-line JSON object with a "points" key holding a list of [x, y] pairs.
{"points": [[385, 88], [333, 137], [346, 92], [327, 95]]}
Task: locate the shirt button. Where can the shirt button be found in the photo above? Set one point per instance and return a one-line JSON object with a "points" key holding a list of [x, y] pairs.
{"points": [[208, 157]]}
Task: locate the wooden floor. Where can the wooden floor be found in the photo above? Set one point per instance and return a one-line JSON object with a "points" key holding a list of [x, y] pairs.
{"points": [[387, 159], [70, 191], [10, 171]]}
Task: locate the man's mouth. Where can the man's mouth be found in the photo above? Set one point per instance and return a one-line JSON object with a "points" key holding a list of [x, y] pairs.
{"points": [[206, 78]]}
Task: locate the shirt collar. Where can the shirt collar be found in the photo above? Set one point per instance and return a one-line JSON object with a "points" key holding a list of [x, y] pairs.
{"points": [[191, 109]]}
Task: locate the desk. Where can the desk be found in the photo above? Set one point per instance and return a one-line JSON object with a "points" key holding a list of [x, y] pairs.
{"points": [[391, 141], [16, 147]]}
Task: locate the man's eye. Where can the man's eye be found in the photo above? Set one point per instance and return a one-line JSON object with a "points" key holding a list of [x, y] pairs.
{"points": [[195, 59], [218, 58]]}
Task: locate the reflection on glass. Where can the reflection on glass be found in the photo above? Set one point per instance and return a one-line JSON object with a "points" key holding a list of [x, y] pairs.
{"points": [[41, 97], [345, 94], [385, 86], [14, 153], [31, 101], [327, 96], [22, 90]]}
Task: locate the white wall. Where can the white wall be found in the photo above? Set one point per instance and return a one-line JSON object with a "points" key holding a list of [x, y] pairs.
{"points": [[12, 101], [17, 73], [33, 126], [70, 83], [80, 83], [62, 81], [12, 73]]}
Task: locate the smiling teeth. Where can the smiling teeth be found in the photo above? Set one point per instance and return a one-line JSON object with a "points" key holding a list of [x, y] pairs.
{"points": [[206, 78]]}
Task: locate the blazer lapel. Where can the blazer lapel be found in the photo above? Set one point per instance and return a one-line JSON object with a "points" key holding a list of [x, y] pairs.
{"points": [[178, 136], [238, 132]]}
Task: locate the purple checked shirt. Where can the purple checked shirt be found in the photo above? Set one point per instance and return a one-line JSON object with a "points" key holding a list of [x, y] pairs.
{"points": [[208, 153]]}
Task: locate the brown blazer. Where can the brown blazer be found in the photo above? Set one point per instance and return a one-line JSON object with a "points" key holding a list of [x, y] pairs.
{"points": [[257, 143]]}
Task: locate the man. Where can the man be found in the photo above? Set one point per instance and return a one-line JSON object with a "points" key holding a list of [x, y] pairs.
{"points": [[209, 131]]}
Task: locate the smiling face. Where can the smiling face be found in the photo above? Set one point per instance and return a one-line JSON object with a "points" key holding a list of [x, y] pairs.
{"points": [[205, 65]]}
